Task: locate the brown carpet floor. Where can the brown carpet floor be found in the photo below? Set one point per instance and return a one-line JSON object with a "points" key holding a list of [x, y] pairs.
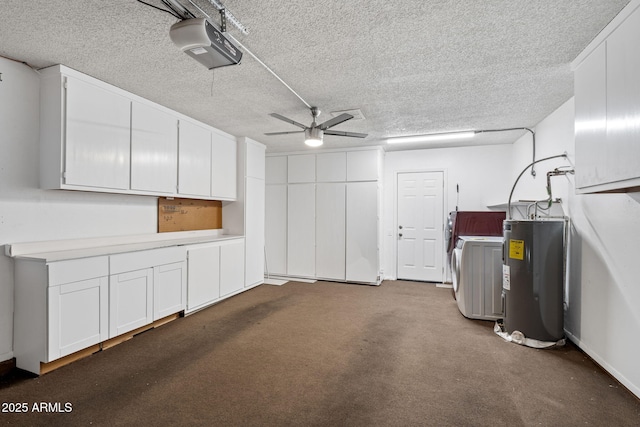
{"points": [[327, 354]]}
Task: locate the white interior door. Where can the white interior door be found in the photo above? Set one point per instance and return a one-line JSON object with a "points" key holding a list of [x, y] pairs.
{"points": [[420, 226]]}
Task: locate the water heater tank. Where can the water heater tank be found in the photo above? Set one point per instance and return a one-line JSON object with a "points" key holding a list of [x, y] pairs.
{"points": [[533, 288]]}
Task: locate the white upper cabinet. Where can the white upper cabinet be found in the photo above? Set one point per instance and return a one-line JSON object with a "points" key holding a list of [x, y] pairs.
{"points": [[591, 118], [194, 160], [276, 170], [607, 103], [331, 167], [84, 137], [301, 168], [223, 167], [363, 165], [154, 149], [623, 100], [97, 137]]}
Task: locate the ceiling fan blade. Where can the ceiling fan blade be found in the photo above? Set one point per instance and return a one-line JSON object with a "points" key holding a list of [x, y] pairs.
{"points": [[335, 121], [284, 133], [341, 133], [285, 119]]}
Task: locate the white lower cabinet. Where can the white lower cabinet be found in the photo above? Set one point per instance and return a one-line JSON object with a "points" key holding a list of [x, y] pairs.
{"points": [[231, 267], [215, 271], [145, 286], [130, 301], [169, 289], [60, 307], [77, 316], [203, 275]]}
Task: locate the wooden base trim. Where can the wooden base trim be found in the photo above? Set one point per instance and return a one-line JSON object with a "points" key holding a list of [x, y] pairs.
{"points": [[58, 363]]}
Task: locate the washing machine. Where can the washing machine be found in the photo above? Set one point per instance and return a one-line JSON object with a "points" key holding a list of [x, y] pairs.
{"points": [[477, 276]]}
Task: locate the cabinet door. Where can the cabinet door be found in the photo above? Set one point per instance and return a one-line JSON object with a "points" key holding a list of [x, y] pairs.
{"points": [[276, 229], [130, 301], [154, 150], [362, 232], [203, 278], [623, 101], [254, 231], [77, 316], [231, 267], [301, 168], [194, 160], [223, 169], [276, 170], [255, 160], [363, 165], [330, 230], [331, 167], [97, 144], [301, 230], [591, 119], [169, 289]]}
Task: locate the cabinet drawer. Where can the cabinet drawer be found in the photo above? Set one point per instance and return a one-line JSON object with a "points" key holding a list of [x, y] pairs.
{"points": [[131, 261], [75, 270]]}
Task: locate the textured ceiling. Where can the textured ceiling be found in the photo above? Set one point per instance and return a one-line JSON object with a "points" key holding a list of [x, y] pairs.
{"points": [[411, 66]]}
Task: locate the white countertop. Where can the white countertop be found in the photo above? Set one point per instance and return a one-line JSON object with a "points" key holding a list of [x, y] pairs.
{"points": [[60, 250]]}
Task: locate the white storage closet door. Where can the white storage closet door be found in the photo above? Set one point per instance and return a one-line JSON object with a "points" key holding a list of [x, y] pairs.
{"points": [[154, 150], [276, 229], [301, 230], [362, 232], [194, 160], [97, 130], [254, 231], [330, 230]]}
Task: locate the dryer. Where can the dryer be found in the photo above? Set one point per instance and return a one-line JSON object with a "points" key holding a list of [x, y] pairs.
{"points": [[477, 276]]}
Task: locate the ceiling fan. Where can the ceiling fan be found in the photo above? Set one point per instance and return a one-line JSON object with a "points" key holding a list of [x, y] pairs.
{"points": [[313, 134]]}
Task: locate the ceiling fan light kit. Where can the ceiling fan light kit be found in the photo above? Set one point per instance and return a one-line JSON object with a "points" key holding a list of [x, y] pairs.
{"points": [[313, 137]]}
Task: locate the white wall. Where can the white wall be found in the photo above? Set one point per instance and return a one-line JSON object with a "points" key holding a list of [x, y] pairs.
{"points": [[482, 173], [602, 312], [30, 214]]}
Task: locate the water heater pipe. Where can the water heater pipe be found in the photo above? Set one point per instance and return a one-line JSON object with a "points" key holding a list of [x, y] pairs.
{"points": [[522, 173]]}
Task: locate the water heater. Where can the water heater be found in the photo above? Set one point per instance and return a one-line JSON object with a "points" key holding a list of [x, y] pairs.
{"points": [[533, 282]]}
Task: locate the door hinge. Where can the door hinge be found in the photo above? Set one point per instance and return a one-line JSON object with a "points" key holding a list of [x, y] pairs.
{"points": [[64, 83]]}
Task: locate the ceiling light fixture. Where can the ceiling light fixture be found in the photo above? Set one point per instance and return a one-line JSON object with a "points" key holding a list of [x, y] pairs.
{"points": [[313, 136], [447, 136]]}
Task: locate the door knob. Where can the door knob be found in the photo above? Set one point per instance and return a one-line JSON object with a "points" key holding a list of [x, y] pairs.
{"points": [[400, 227], [399, 234]]}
